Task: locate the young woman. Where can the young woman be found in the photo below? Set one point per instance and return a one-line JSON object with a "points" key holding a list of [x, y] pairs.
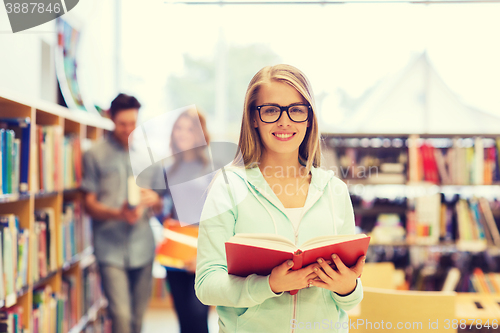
{"points": [[188, 144], [282, 191]]}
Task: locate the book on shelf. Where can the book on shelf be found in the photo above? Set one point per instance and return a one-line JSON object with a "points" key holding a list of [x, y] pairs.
{"points": [[49, 145], [72, 162], [452, 279], [460, 162], [489, 224], [18, 130], [69, 297], [9, 226], [22, 260], [7, 161], [11, 320], [69, 242], [470, 231], [178, 248], [45, 259], [428, 219], [45, 310], [259, 253]]}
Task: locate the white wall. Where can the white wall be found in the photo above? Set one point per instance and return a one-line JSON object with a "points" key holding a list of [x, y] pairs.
{"points": [[21, 54]]}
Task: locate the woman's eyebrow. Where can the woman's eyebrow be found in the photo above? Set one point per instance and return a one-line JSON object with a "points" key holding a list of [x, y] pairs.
{"points": [[295, 103]]}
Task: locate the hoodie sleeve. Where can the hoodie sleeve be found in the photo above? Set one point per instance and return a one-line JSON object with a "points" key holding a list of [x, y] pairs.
{"points": [[349, 301], [213, 285]]}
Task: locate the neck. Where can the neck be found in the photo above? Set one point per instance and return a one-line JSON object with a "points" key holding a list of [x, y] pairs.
{"points": [[188, 156], [124, 144], [281, 165]]}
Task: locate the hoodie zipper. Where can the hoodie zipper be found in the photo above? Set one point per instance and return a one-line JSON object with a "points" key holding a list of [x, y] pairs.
{"points": [[304, 211], [296, 233]]}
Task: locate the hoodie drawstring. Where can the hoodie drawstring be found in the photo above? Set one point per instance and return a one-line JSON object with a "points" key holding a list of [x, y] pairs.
{"points": [[331, 208], [256, 196]]}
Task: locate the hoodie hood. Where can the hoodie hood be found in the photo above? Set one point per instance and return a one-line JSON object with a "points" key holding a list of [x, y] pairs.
{"points": [[319, 177]]}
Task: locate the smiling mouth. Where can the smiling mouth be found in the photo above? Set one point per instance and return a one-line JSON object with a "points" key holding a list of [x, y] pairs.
{"points": [[283, 135]]}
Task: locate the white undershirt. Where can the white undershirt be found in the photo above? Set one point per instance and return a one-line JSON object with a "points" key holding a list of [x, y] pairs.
{"points": [[294, 215]]}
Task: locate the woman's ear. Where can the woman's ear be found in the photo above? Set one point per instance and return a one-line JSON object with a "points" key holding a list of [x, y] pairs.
{"points": [[255, 124]]}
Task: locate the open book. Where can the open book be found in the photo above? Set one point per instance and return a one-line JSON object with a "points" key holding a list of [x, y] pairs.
{"points": [[259, 253]]}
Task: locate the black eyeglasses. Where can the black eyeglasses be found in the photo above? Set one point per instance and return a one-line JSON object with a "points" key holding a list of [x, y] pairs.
{"points": [[271, 113]]}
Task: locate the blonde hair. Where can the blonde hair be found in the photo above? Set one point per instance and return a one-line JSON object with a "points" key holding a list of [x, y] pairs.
{"points": [[250, 142], [200, 152]]}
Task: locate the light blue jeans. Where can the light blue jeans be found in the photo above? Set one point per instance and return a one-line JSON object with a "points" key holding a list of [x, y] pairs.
{"points": [[128, 292]]}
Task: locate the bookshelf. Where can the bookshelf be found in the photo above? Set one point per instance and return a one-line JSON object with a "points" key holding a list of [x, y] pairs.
{"points": [[58, 285], [414, 193]]}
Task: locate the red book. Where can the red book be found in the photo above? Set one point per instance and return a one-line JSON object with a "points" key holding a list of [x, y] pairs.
{"points": [[259, 253], [429, 162], [42, 249], [77, 155]]}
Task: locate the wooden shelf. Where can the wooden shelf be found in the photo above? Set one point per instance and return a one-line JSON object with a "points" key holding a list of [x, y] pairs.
{"points": [[5, 198], [85, 126]]}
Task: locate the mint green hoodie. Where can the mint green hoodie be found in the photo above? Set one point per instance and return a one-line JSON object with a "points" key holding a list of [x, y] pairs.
{"points": [[241, 201]]}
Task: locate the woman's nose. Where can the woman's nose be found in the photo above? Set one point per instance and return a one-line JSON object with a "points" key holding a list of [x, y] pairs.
{"points": [[284, 119]]}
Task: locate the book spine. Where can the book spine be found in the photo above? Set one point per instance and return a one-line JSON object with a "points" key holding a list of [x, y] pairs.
{"points": [[297, 264], [16, 164], [9, 159], [25, 157]]}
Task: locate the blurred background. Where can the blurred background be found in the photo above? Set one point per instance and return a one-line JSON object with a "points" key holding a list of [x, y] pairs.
{"points": [[409, 88], [171, 54]]}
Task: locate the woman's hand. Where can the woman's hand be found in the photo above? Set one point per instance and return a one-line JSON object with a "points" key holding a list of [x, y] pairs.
{"points": [[284, 279], [341, 280]]}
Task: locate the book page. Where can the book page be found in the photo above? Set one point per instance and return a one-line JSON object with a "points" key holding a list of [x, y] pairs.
{"points": [[327, 240], [269, 241]]}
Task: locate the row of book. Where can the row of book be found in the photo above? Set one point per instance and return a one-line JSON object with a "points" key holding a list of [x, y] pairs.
{"points": [[55, 312], [47, 311], [69, 299], [76, 230], [442, 161], [473, 163], [14, 247], [11, 320], [51, 150], [44, 244], [469, 223], [72, 162], [14, 155], [488, 283], [386, 166]]}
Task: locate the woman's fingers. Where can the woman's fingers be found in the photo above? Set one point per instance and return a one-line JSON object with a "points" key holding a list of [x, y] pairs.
{"points": [[326, 273], [340, 265]]}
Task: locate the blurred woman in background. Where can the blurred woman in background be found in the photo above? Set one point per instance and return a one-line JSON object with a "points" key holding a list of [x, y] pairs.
{"points": [[189, 142]]}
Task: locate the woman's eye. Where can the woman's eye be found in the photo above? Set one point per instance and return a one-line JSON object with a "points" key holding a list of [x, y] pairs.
{"points": [[297, 110], [271, 110]]}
